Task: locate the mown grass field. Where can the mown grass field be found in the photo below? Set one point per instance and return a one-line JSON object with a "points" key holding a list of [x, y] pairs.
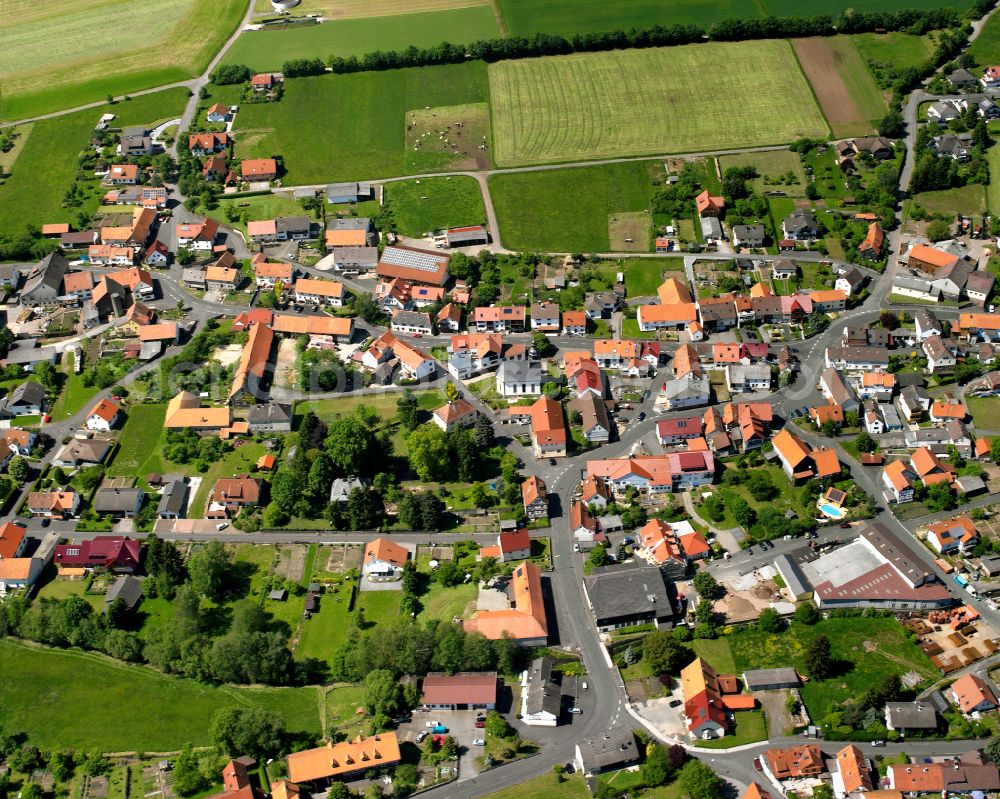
{"points": [[141, 442], [985, 412], [641, 102], [993, 190], [170, 41], [986, 48], [969, 199], [42, 693], [567, 210], [428, 204], [792, 8], [843, 85], [346, 37], [45, 168], [901, 50], [772, 167], [353, 9], [352, 127], [572, 786]]}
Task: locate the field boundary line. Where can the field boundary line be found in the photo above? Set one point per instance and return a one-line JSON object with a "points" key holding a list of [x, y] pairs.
{"points": [[501, 21], [812, 90]]}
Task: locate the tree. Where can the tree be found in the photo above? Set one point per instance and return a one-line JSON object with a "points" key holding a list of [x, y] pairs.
{"points": [[364, 509], [249, 731], [450, 391], [351, 445], [226, 74], [656, 769], [496, 725], [938, 230], [865, 443], [665, 653], [891, 125], [769, 621], [940, 497], [188, 778], [382, 693], [698, 781], [18, 469], [818, 658], [599, 555], [485, 436], [32, 791], [208, 568], [705, 584], [429, 453], [806, 613], [761, 487], [408, 411], [992, 749]]}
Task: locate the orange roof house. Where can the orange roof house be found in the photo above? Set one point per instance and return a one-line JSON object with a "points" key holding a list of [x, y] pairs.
{"points": [[672, 291], [873, 242], [760, 290], [382, 552], [185, 410], [259, 168], [795, 761], [971, 693], [12, 541], [346, 238], [792, 450], [947, 410], [929, 259], [548, 428], [855, 770], [525, 621], [709, 205], [929, 468], [703, 709], [344, 758], [754, 791]]}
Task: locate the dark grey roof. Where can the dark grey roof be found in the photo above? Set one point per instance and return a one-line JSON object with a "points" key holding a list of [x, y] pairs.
{"points": [[412, 319], [542, 695], [614, 749], [127, 588], [292, 224], [911, 715], [270, 412], [799, 220], [762, 679], [84, 450], [520, 372], [790, 572], [28, 393], [172, 500], [48, 272], [748, 231], [962, 77], [350, 223], [627, 590], [117, 500]]}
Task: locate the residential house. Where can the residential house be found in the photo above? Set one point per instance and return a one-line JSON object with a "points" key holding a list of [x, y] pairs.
{"points": [[678, 430], [499, 319], [950, 535], [914, 402], [119, 503], [574, 323], [704, 712], [616, 750], [906, 717], [541, 696], [197, 236], [630, 594], [525, 621], [548, 428], [320, 292], [862, 359], [121, 175], [409, 263], [595, 425], [709, 205], [837, 391], [267, 274], [344, 760], [535, 498], [972, 694], [43, 283], [202, 144], [104, 415], [519, 378], [873, 244], [742, 378], [53, 504], [783, 269], [854, 773], [112, 553], [230, 495], [414, 363], [800, 461], [876, 385], [184, 411], [545, 317], [655, 474], [800, 225], [748, 236], [453, 415], [514, 545], [223, 275], [979, 287], [943, 411], [793, 762], [259, 170], [384, 560], [926, 324], [27, 399], [601, 304]]}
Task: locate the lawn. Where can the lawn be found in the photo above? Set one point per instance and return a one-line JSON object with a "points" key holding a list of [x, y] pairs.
{"points": [[90, 62], [773, 166], [430, 204], [751, 726], [261, 206], [239, 461], [141, 442], [44, 170], [342, 703], [717, 652], [643, 276], [42, 694], [581, 106], [969, 200], [789, 498], [74, 394], [383, 404], [986, 48], [324, 632], [993, 190], [572, 786], [379, 607], [985, 412], [269, 49], [842, 82], [446, 603], [900, 50], [865, 650], [567, 210], [352, 127]]}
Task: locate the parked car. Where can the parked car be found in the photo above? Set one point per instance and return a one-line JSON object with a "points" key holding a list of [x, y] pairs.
{"points": [[421, 735], [878, 743], [431, 724], [478, 742], [676, 702], [628, 540], [480, 725], [757, 765], [575, 710], [440, 729]]}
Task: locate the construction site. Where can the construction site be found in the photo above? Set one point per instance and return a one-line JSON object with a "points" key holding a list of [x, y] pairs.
{"points": [[954, 638]]}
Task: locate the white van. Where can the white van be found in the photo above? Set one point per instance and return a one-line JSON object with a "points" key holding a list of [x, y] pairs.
{"points": [[222, 525]]}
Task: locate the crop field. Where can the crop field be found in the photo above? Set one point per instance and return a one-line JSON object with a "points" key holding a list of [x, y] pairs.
{"points": [[38, 77], [353, 9], [429, 204], [263, 50], [569, 209], [844, 87], [900, 50], [352, 127], [448, 137], [642, 102], [45, 167], [42, 694]]}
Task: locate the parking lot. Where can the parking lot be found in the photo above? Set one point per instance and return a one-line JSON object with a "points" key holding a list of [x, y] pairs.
{"points": [[461, 726]]}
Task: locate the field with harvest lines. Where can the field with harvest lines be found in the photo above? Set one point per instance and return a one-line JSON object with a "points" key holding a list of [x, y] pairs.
{"points": [[63, 54], [694, 98]]}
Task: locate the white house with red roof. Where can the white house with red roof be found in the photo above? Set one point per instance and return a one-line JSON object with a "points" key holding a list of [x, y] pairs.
{"points": [[104, 415], [510, 546]]}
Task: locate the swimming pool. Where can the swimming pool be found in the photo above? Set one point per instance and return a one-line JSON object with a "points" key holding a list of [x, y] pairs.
{"points": [[832, 511]]}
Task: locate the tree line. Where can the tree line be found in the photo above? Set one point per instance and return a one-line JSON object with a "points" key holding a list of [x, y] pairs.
{"points": [[545, 44]]}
